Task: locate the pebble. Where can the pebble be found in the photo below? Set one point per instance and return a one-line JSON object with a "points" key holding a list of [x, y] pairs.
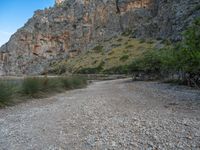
{"points": [[100, 117]]}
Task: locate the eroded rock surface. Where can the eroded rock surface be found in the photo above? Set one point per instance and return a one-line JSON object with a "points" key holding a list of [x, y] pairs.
{"points": [[73, 26]]}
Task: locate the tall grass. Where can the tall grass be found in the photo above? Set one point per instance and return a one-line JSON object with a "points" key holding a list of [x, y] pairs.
{"points": [[37, 87], [6, 93], [73, 82], [31, 86], [34, 86]]}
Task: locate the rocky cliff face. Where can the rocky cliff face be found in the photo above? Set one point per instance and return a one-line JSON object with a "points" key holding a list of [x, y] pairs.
{"points": [[77, 25]]}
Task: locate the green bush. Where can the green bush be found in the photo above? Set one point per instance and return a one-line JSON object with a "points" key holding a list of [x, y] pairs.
{"points": [[117, 70], [149, 62], [124, 58], [94, 70], [36, 87], [67, 83], [31, 86], [98, 48], [142, 40], [150, 41], [57, 69], [50, 84], [73, 82], [6, 91], [78, 81], [116, 45], [127, 32], [183, 57], [61, 69], [129, 46], [119, 40], [188, 51], [135, 66], [191, 48], [88, 71]]}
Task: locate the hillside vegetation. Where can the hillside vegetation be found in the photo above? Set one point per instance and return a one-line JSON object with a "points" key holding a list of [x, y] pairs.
{"points": [[105, 57], [126, 55]]}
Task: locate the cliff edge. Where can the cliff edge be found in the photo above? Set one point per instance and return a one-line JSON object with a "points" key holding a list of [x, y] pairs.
{"points": [[74, 26]]}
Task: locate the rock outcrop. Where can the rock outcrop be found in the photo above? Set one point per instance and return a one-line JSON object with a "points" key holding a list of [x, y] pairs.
{"points": [[74, 26], [58, 2]]}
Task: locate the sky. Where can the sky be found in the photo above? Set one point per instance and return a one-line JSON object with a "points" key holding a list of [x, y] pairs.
{"points": [[15, 13]]}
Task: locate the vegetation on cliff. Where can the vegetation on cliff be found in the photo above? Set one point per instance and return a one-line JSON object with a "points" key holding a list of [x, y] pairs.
{"points": [[115, 52], [125, 55], [182, 59], [72, 27]]}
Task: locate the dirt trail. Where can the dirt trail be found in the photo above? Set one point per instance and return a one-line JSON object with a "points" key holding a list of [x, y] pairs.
{"points": [[115, 114]]}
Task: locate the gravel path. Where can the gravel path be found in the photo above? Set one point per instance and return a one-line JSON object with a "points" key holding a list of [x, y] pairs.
{"points": [[106, 115]]}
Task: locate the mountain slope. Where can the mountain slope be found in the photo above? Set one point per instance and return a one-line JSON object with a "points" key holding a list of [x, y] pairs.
{"points": [[75, 26], [108, 55]]}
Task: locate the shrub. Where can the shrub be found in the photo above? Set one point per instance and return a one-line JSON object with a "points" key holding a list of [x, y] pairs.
{"points": [[192, 37], [31, 86], [94, 62], [98, 48], [111, 52], [126, 43], [150, 62], [197, 7], [115, 45], [166, 42], [183, 58], [87, 71], [149, 41], [117, 70], [127, 32], [189, 53], [78, 81], [67, 83], [61, 69], [142, 40], [129, 46], [119, 40], [124, 58], [91, 70], [50, 84], [135, 66], [36, 87], [6, 92], [73, 82]]}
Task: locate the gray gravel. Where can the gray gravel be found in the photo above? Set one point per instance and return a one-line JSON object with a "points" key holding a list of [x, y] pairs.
{"points": [[106, 115]]}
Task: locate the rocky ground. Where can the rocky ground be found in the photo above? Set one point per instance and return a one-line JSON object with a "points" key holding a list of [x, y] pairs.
{"points": [[116, 114]]}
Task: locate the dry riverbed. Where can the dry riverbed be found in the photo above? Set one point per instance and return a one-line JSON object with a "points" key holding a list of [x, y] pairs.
{"points": [[117, 114]]}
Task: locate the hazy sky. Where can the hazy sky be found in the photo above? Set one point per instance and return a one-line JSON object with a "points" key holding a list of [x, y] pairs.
{"points": [[15, 13]]}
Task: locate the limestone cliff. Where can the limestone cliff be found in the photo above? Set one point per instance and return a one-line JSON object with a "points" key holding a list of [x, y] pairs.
{"points": [[74, 26]]}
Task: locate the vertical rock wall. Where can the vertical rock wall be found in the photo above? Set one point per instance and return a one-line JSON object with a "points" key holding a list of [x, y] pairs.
{"points": [[78, 25]]}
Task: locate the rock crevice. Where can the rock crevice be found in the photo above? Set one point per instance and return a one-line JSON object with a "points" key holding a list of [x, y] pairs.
{"points": [[74, 26]]}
